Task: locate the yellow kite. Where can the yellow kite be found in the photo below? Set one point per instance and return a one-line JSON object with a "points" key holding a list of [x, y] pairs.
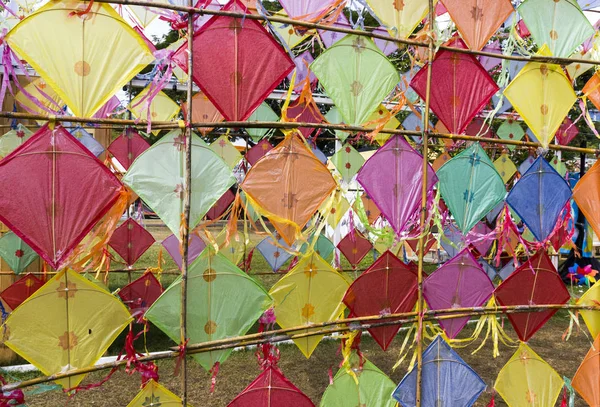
{"points": [[401, 17], [85, 56], [154, 394], [543, 95], [311, 293], [67, 324]]}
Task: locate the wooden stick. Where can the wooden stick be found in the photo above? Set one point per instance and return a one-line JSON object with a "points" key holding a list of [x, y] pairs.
{"points": [[423, 219], [185, 239], [293, 125], [269, 336]]}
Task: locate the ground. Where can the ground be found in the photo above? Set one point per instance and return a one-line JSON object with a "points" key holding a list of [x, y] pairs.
{"points": [[310, 375]]}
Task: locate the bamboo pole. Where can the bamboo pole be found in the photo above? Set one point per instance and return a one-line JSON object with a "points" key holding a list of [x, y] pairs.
{"points": [[276, 336], [327, 27], [293, 125], [423, 219], [186, 212]]}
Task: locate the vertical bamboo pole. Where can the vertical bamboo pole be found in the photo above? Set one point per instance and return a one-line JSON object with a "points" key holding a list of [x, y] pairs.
{"points": [[421, 248], [186, 208]]}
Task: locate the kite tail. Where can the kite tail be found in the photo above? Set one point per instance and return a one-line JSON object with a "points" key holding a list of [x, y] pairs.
{"points": [[90, 252], [351, 343]]}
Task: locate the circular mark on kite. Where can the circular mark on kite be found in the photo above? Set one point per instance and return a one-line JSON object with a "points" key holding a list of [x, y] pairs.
{"points": [[210, 327], [82, 68]]}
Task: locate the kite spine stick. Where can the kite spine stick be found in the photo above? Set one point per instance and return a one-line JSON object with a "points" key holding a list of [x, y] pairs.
{"points": [[423, 219]]}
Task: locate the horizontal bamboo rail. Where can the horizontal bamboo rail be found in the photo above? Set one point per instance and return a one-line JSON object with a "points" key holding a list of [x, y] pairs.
{"points": [[294, 125], [280, 335]]}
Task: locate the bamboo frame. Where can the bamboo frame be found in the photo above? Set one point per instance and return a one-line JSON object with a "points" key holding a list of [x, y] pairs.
{"points": [[280, 335], [329, 327]]}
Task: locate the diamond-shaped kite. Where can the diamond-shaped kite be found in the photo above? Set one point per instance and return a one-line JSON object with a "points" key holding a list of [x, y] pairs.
{"points": [[64, 193], [130, 241], [157, 176], [238, 81], [127, 147], [536, 282], [16, 253], [459, 283]]}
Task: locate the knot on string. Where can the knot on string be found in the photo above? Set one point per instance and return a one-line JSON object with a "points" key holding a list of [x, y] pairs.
{"points": [[182, 349], [214, 371], [147, 370]]}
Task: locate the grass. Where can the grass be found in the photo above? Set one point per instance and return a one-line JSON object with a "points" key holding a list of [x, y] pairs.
{"points": [[310, 375]]}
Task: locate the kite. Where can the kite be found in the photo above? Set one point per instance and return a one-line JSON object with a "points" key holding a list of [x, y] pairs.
{"points": [[510, 130], [311, 293], [505, 167], [560, 25], [127, 147], [236, 82], [387, 47], [16, 253], [67, 324], [308, 10], [271, 388], [275, 191], [459, 283], [398, 194], [357, 76], [371, 210], [235, 249], [160, 108], [354, 246], [94, 53], [470, 186], [60, 168], [302, 72], [301, 111], [527, 380], [462, 90], [536, 282], [157, 176], [566, 132], [323, 247], [366, 386], [333, 116], [276, 254], [585, 381], [288, 34], [347, 161], [539, 197], [478, 20], [140, 294], [400, 17], [391, 123], [89, 142], [42, 99], [335, 212], [543, 95], [329, 38], [203, 111], [20, 290], [591, 298], [446, 380], [258, 151], [154, 394], [195, 246], [130, 241], [223, 300], [227, 151], [388, 286], [587, 195], [221, 205], [13, 139], [263, 113]]}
